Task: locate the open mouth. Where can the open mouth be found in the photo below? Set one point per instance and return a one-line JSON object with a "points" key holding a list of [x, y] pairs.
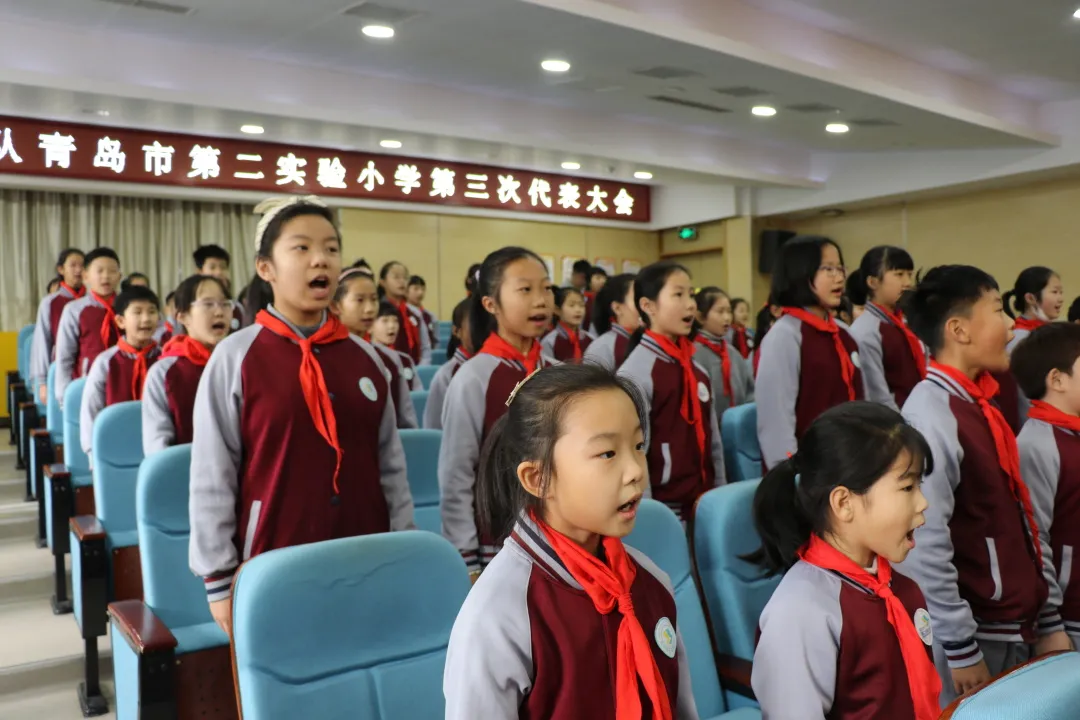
{"points": [[540, 318], [220, 326], [322, 282], [688, 319], [629, 509]]}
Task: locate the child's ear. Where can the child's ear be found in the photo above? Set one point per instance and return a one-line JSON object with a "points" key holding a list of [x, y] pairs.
{"points": [[265, 269], [841, 501], [530, 476]]}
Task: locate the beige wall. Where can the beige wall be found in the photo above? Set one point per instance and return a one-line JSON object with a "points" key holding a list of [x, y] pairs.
{"points": [[441, 247], [704, 257]]}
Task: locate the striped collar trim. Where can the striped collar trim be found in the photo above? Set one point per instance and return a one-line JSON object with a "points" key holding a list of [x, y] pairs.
{"points": [[530, 538], [712, 338], [947, 384], [653, 346], [878, 313], [459, 356], [620, 330]]}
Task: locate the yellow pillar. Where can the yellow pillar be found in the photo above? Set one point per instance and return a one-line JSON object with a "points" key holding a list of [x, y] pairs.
{"points": [[740, 259]]}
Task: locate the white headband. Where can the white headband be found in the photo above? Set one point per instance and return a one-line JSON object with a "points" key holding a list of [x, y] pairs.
{"points": [[270, 208]]}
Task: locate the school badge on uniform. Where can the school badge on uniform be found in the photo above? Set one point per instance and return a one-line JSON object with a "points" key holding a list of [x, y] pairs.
{"points": [[368, 388], [408, 374], [665, 637], [702, 392], [922, 624], [855, 359], [235, 324]]}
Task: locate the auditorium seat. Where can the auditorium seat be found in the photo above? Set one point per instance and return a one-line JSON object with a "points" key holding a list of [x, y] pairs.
{"points": [[742, 455], [19, 389], [170, 658], [438, 358], [354, 629], [46, 448], [419, 400], [659, 534], [422, 461], [446, 329], [426, 373], [735, 591], [1047, 688], [105, 547]]}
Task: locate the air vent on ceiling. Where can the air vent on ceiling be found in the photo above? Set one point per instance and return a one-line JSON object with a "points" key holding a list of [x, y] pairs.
{"points": [[741, 92], [665, 72], [812, 108], [873, 122], [377, 14], [688, 103], [153, 6]]}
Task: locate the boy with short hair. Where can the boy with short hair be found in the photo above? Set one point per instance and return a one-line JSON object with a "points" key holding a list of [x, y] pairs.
{"points": [[415, 295], [215, 261], [118, 374], [86, 326], [1047, 366], [579, 277], [978, 559], [598, 278]]}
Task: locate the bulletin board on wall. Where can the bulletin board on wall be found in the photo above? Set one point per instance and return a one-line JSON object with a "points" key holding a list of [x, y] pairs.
{"points": [[568, 268], [607, 263]]}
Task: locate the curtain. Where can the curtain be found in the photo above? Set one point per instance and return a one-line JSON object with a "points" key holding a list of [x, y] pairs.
{"points": [[152, 236]]}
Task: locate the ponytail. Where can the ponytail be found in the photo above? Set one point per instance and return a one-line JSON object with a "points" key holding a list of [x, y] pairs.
{"points": [[1008, 301], [481, 322], [1033, 281], [258, 296], [781, 522], [499, 493]]}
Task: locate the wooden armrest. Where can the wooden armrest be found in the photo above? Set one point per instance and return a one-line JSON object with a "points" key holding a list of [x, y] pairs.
{"points": [[27, 405], [19, 384], [142, 629], [39, 432], [57, 470], [86, 528], [735, 674]]}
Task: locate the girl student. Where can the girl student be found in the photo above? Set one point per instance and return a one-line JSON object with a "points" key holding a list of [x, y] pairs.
{"points": [[508, 314], [615, 324], [69, 266], [463, 350], [416, 292], [685, 455], [356, 303], [808, 363], [413, 338], [567, 621], [295, 437], [844, 635], [384, 332], [1035, 300], [741, 335], [730, 373], [893, 359], [203, 310], [568, 341]]}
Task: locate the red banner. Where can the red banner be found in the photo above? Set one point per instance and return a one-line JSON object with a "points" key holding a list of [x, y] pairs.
{"points": [[92, 152]]}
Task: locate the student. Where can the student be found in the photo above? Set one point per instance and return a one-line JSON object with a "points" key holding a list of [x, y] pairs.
{"points": [[844, 315], [615, 324], [567, 622], [463, 351], [55, 284], [295, 438], [1074, 311], [579, 277], [808, 363], [741, 335], [87, 325], [119, 373], [203, 309], [413, 338], [978, 558], [598, 278], [1035, 300], [215, 261], [384, 332], [166, 326], [135, 279], [856, 290], [43, 346], [509, 312], [472, 276], [568, 341], [686, 457], [844, 635], [766, 318], [893, 359], [416, 292], [356, 303], [1047, 366], [730, 374]]}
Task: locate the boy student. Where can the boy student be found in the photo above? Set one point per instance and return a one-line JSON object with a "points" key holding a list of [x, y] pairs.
{"points": [[1047, 366], [978, 558], [415, 295], [118, 374], [215, 261], [87, 326], [580, 275], [43, 347]]}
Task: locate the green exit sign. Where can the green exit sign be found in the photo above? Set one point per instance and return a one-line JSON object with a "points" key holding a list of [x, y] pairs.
{"points": [[688, 233]]}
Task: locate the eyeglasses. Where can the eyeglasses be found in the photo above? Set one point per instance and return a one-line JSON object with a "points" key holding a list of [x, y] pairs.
{"points": [[211, 305], [833, 270]]}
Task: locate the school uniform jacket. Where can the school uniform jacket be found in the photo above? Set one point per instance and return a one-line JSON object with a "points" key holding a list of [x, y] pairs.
{"points": [[742, 376], [798, 378], [164, 333], [403, 404], [108, 382], [1023, 403], [429, 321], [528, 642], [261, 474], [43, 345], [474, 401], [438, 388], [888, 367], [557, 344], [78, 341], [408, 373], [675, 465], [975, 557], [168, 403], [421, 355], [827, 650], [1050, 462], [609, 350]]}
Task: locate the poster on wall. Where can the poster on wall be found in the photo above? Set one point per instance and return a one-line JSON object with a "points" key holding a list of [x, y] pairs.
{"points": [[568, 268], [631, 266], [607, 263], [549, 263]]}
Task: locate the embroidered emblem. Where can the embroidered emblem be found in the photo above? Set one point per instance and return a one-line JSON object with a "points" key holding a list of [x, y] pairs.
{"points": [[922, 624], [702, 392], [368, 388], [408, 374], [855, 359], [665, 637]]}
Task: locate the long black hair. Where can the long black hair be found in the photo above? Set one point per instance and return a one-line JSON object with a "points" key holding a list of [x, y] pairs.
{"points": [[796, 267], [259, 293], [481, 322], [461, 311], [615, 290], [851, 445], [648, 284], [1032, 280], [528, 432]]}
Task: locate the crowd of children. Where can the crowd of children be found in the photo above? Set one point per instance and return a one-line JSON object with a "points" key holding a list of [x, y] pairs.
{"points": [[924, 546]]}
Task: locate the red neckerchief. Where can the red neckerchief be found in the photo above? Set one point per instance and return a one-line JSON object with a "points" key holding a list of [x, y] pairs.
{"points": [[608, 586], [923, 679], [917, 351], [828, 325], [75, 293], [169, 327], [574, 338], [138, 375], [108, 325], [981, 391], [412, 333], [186, 347], [690, 407], [720, 348], [742, 340], [312, 382], [1029, 324], [495, 345], [1052, 416]]}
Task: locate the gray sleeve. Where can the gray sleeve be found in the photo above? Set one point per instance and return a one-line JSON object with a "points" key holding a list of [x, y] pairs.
{"points": [[1040, 466], [216, 456], [459, 455], [601, 352], [548, 342], [415, 384], [778, 376], [867, 333], [425, 336], [930, 564], [717, 450], [42, 344], [742, 379], [93, 398], [407, 419], [436, 399], [158, 431], [638, 368], [67, 348]]}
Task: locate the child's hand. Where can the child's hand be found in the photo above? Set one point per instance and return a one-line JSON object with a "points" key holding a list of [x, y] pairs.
{"points": [[971, 677], [221, 610], [43, 393], [1052, 643]]}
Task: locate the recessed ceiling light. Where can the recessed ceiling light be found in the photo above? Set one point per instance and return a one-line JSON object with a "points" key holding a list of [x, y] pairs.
{"points": [[252, 129], [571, 165], [643, 175], [382, 32], [555, 66], [390, 144], [102, 113], [763, 110], [836, 128], [1077, 14]]}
